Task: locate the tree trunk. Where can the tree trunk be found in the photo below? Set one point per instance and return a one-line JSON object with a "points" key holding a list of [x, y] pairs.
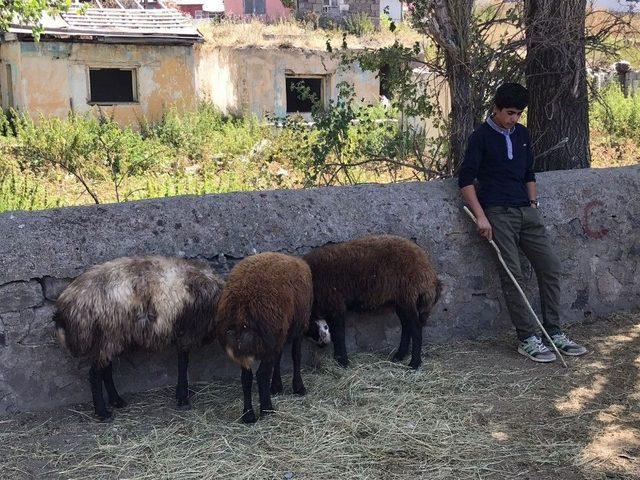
{"points": [[448, 23], [462, 112], [558, 115]]}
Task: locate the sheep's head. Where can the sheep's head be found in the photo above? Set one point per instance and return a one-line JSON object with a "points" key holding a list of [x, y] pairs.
{"points": [[240, 347], [319, 332], [247, 341]]}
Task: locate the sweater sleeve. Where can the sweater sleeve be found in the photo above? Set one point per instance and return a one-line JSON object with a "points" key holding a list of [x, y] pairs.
{"points": [[471, 163], [529, 176]]}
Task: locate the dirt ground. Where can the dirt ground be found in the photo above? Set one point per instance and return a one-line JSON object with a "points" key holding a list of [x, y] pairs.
{"points": [[475, 410]]}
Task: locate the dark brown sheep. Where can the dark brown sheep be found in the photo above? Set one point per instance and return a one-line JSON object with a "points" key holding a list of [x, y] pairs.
{"points": [[267, 300], [371, 273], [146, 302]]}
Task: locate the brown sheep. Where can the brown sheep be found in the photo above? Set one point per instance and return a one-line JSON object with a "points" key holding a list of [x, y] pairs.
{"points": [[147, 302], [370, 273], [267, 300]]}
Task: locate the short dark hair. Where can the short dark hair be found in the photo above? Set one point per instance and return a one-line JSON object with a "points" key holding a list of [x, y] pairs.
{"points": [[511, 95]]}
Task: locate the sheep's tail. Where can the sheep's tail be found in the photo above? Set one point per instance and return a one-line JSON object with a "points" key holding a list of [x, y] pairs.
{"points": [[427, 299], [69, 335], [60, 331]]}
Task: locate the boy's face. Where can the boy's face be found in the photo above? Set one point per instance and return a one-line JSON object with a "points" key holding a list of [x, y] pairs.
{"points": [[506, 117]]}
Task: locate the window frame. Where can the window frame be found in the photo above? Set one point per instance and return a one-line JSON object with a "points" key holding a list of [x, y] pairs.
{"points": [[134, 84], [253, 7], [324, 87]]}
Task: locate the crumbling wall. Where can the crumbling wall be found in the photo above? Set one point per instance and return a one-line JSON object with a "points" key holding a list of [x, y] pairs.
{"points": [[253, 79]]}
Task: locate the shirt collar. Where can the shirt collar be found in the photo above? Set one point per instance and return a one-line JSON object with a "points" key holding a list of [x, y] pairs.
{"points": [[498, 128]]}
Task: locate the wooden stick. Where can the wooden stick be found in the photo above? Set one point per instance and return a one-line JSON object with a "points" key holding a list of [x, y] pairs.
{"points": [[515, 282]]}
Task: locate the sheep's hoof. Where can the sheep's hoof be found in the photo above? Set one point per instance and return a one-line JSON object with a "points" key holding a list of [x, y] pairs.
{"points": [[398, 357], [264, 412], [342, 361], [118, 403], [415, 365], [300, 390], [184, 405], [106, 416], [276, 388], [248, 417]]}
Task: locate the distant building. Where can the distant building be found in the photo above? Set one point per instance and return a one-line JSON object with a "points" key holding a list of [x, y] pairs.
{"points": [[393, 9], [340, 9], [266, 9], [199, 9], [262, 80], [127, 62]]}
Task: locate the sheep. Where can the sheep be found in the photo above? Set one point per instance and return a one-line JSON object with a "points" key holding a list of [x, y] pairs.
{"points": [[370, 273], [148, 302], [266, 301]]}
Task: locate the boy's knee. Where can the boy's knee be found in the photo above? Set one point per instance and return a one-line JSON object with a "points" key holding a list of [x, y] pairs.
{"points": [[552, 266]]}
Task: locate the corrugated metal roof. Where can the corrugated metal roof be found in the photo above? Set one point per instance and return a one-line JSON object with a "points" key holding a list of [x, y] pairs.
{"points": [[164, 25]]}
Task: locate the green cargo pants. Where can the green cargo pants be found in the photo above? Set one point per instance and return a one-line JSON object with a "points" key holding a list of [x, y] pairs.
{"points": [[517, 228]]}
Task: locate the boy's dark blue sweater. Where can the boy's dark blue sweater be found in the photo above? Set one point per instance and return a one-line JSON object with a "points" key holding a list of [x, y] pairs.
{"points": [[501, 181]]}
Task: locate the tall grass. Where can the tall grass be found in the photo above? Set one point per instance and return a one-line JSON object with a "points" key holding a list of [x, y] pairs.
{"points": [[53, 162], [615, 128], [615, 114]]}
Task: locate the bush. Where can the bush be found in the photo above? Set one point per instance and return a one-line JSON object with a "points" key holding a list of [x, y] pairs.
{"points": [[58, 162], [358, 24], [187, 132], [88, 149], [616, 115]]}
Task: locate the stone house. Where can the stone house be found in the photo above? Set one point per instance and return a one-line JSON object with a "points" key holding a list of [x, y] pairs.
{"points": [[341, 9], [259, 80], [128, 63]]}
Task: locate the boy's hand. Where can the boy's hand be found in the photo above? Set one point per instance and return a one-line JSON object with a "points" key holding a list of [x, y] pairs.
{"points": [[484, 227]]}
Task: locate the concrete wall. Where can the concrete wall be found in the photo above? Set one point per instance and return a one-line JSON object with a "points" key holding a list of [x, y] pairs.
{"points": [[253, 79], [593, 218], [165, 77], [394, 9], [438, 90], [9, 55]]}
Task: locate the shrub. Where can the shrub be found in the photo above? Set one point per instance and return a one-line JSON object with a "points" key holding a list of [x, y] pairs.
{"points": [[358, 24], [616, 115], [87, 148]]}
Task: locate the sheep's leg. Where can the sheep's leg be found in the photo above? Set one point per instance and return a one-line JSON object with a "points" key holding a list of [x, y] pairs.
{"points": [[296, 356], [182, 388], [276, 380], [247, 382], [263, 376], [405, 337], [96, 379], [416, 344], [337, 331], [115, 400]]}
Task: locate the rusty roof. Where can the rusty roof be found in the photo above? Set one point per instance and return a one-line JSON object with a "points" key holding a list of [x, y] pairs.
{"points": [[119, 25]]}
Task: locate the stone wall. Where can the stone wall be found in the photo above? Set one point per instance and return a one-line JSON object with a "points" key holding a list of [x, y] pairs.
{"points": [[343, 9], [593, 217]]}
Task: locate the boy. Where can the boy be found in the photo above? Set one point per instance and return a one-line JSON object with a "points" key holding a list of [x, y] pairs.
{"points": [[499, 157]]}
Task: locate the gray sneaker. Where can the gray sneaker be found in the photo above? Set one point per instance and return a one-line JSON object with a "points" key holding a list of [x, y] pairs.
{"points": [[537, 351], [567, 346]]}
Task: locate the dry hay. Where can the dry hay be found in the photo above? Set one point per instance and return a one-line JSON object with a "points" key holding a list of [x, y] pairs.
{"points": [[289, 33], [475, 410]]}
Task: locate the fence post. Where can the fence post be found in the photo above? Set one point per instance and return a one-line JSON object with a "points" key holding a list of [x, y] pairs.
{"points": [[623, 67]]}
